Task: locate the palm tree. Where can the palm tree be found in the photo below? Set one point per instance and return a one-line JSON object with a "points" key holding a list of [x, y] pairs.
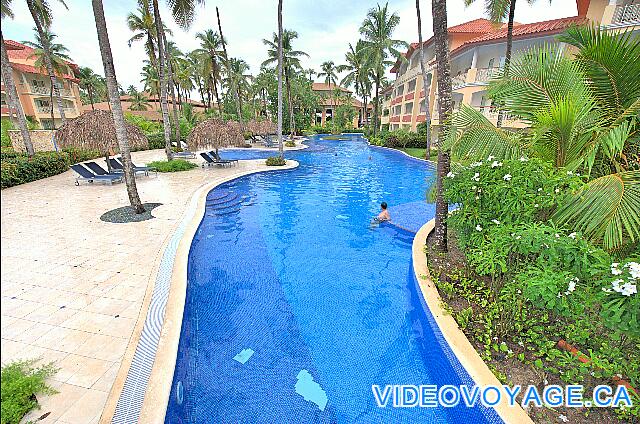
{"points": [[582, 116], [328, 72], [12, 93], [238, 77], [91, 82], [280, 66], [440, 35], [57, 58], [378, 46], [311, 73], [139, 101], [291, 63], [41, 15], [164, 106], [143, 27], [197, 72], [116, 108], [150, 80], [425, 84], [236, 89], [357, 74], [210, 45]]}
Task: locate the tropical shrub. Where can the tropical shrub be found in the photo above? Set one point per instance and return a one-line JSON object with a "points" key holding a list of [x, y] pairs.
{"points": [[5, 127], [290, 144], [275, 161], [21, 382], [176, 165]]}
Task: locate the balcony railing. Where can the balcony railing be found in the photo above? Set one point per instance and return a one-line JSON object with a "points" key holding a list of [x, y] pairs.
{"points": [[491, 113], [459, 80], [47, 109], [47, 90], [626, 13], [485, 74]]}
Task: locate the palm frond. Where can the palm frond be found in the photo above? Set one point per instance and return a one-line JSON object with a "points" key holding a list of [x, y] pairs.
{"points": [[606, 210]]}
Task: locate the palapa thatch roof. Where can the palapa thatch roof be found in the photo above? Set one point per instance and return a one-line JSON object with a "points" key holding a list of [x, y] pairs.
{"points": [[261, 127], [96, 130], [215, 133]]}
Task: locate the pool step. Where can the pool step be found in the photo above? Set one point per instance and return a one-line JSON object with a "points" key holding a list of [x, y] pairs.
{"points": [[229, 206], [226, 200]]}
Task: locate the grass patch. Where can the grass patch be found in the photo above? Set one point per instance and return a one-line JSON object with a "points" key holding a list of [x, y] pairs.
{"points": [[418, 152], [334, 137], [275, 161], [21, 382], [176, 165], [290, 144]]}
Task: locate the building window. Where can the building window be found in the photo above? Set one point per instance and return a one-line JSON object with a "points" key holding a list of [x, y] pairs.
{"points": [[43, 103], [491, 61], [397, 110], [412, 86], [423, 107], [400, 90], [408, 108], [47, 124]]}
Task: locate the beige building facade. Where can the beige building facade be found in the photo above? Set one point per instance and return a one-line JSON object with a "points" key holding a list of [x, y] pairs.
{"points": [[477, 50], [34, 88]]}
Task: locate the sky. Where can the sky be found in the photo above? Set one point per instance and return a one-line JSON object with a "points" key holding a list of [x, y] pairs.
{"points": [[325, 27]]}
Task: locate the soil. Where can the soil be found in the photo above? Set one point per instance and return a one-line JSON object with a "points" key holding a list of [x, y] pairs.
{"points": [[516, 371]]}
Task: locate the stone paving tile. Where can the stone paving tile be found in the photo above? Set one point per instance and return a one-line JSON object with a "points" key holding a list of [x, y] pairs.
{"points": [[68, 302]]}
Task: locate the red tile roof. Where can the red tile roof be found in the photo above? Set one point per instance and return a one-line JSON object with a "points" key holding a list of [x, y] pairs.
{"points": [[321, 86], [554, 26], [20, 51], [33, 70], [476, 26]]}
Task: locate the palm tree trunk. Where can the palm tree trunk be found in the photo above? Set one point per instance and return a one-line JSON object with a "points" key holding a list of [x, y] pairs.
{"points": [[176, 121], [376, 104], [116, 107], [507, 55], [235, 88], [53, 119], [216, 94], [280, 63], [14, 100], [90, 91], [166, 123], [292, 121], [47, 59], [427, 119], [440, 34]]}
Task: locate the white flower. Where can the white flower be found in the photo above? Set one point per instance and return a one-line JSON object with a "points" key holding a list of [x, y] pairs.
{"points": [[476, 177], [540, 189], [507, 177], [491, 157], [563, 418], [616, 285], [569, 173], [451, 175], [614, 269], [473, 187], [477, 197], [634, 269], [557, 235], [523, 159], [476, 164], [628, 289], [496, 164], [495, 221], [518, 237], [536, 205], [557, 190], [520, 343], [572, 235], [478, 227]]}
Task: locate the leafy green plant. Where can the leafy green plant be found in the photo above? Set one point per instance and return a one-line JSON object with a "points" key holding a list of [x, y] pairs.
{"points": [[290, 144], [5, 127], [176, 165], [275, 161], [21, 382]]}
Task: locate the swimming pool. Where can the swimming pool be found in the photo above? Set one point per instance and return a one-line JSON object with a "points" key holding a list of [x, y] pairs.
{"points": [[286, 275]]}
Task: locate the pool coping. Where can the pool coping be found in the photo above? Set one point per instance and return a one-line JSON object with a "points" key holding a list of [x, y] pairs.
{"points": [[455, 338], [158, 387]]}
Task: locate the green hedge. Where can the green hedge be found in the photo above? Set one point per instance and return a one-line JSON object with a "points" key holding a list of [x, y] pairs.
{"points": [[19, 168], [175, 165]]}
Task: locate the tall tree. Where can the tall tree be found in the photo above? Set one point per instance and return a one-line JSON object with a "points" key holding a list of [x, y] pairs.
{"points": [[12, 93], [57, 57], [426, 84], [41, 15], [280, 66], [116, 107], [211, 45], [357, 74], [234, 89], [441, 35], [171, 88], [90, 82], [164, 107], [291, 63], [328, 72], [378, 46]]}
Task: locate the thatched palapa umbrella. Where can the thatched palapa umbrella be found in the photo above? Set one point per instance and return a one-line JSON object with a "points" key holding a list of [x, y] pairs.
{"points": [[95, 130], [215, 133]]}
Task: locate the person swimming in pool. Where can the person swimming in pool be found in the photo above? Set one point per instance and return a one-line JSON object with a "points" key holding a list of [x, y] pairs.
{"points": [[384, 213]]}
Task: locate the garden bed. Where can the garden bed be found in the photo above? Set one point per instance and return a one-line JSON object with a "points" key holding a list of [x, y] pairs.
{"points": [[518, 351]]}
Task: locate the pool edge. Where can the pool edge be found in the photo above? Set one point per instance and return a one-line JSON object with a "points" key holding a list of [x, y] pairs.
{"points": [[158, 390], [455, 338]]}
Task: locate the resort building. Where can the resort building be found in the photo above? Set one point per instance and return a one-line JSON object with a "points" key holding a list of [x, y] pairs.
{"points": [[34, 88], [477, 52], [332, 96], [152, 109]]}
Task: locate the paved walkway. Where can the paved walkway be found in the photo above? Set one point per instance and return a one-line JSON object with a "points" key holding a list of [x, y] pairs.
{"points": [[72, 285]]}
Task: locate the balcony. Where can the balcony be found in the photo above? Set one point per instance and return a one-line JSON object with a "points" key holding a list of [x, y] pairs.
{"points": [[491, 113], [485, 74], [47, 91], [459, 80], [46, 110], [626, 14]]}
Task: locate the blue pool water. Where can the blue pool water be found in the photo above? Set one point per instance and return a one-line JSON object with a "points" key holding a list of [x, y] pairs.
{"points": [[286, 275]]}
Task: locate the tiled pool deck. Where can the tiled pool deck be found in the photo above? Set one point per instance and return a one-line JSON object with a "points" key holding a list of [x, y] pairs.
{"points": [[73, 286]]}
